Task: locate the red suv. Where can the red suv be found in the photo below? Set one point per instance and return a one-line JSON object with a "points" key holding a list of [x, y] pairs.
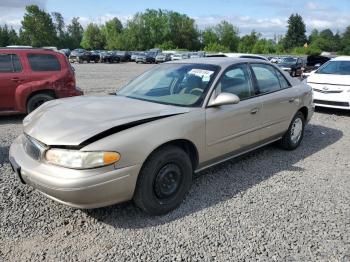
{"points": [[30, 77]]}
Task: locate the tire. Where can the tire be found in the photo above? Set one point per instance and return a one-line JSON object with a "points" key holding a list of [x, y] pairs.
{"points": [[291, 141], [37, 100], [164, 180]]}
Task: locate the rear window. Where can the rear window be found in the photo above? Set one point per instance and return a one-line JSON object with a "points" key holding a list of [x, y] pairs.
{"points": [[44, 62], [10, 63]]}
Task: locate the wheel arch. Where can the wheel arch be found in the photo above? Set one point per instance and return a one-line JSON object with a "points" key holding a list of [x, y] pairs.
{"points": [[304, 111], [186, 145]]}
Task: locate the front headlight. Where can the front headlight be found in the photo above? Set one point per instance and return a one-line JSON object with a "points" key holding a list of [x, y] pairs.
{"points": [[80, 160]]}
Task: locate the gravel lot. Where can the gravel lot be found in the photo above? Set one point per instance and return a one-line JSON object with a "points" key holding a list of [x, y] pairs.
{"points": [[269, 205]]}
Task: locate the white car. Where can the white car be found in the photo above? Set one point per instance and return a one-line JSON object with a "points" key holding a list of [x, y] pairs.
{"points": [[331, 83]]}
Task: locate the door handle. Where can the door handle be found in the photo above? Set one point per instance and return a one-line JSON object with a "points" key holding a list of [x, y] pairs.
{"points": [[16, 79], [254, 111], [291, 100]]}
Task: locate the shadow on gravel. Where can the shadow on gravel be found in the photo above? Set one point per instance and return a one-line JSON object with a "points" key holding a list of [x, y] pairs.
{"points": [[4, 154], [15, 119], [225, 181], [332, 111]]}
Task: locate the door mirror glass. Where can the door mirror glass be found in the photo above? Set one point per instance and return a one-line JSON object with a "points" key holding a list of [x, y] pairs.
{"points": [[224, 99]]}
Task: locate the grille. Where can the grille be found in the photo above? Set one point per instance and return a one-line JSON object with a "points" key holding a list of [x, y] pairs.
{"points": [[327, 91], [33, 148], [331, 103]]}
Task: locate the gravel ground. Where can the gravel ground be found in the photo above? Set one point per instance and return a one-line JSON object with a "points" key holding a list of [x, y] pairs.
{"points": [[269, 205]]}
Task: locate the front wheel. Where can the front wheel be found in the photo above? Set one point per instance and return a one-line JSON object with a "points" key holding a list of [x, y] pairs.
{"points": [[163, 181], [295, 133]]}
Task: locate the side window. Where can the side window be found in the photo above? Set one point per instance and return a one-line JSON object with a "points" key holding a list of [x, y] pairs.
{"points": [[10, 63], [44, 62], [237, 81], [266, 77], [17, 66], [283, 81]]}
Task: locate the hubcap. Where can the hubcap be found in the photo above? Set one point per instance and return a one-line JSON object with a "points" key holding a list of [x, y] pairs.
{"points": [[296, 130], [167, 181]]}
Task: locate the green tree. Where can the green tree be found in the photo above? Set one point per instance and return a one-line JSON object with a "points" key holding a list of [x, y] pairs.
{"points": [[248, 42], [216, 47], [345, 41], [228, 35], [93, 37], [111, 31], [295, 36], [60, 27], [38, 28], [4, 36], [75, 33], [209, 36]]}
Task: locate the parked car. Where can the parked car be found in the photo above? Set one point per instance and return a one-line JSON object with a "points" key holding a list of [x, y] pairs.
{"points": [[172, 121], [134, 54], [94, 56], [313, 62], [124, 56], [146, 57], [66, 52], [238, 55], [162, 57], [79, 56], [179, 56], [331, 83], [109, 57], [30, 77], [293, 65]]}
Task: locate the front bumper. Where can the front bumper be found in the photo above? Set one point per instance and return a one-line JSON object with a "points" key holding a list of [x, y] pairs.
{"points": [[90, 188], [325, 98]]}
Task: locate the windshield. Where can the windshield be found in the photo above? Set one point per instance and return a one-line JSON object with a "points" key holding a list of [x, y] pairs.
{"points": [[335, 68], [173, 84], [288, 60]]}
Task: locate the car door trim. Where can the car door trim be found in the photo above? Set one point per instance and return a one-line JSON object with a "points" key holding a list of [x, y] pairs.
{"points": [[236, 153]]}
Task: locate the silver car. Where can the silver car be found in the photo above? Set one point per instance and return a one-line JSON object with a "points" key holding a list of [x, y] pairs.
{"points": [[146, 141]]}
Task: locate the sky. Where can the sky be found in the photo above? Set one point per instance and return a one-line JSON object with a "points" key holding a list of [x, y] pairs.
{"points": [[268, 17]]}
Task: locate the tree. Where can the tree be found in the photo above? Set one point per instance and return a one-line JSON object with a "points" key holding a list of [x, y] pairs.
{"points": [[93, 38], [111, 32], [209, 37], [346, 41], [38, 28], [75, 33], [295, 36], [248, 42], [215, 47], [228, 35], [4, 36]]}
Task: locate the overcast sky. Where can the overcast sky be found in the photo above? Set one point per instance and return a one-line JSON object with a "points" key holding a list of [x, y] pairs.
{"points": [[266, 16]]}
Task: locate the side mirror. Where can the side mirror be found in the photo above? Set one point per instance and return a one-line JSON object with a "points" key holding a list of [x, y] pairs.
{"points": [[224, 99]]}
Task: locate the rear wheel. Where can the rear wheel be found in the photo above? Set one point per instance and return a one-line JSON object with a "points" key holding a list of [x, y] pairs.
{"points": [[295, 133], [37, 100], [163, 181]]}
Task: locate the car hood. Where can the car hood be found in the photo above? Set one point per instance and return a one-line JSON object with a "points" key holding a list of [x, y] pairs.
{"points": [[72, 121], [329, 79]]}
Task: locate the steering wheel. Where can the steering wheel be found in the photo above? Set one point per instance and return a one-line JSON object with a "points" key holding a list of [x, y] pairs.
{"points": [[194, 90]]}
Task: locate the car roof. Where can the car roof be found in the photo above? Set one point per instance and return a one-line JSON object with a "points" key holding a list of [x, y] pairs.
{"points": [[220, 61], [341, 58], [27, 50]]}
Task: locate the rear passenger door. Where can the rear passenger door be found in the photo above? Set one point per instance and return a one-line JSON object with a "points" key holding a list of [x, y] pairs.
{"points": [[11, 76], [279, 99], [232, 128]]}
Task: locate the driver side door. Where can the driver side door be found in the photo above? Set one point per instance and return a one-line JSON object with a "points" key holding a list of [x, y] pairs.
{"points": [[233, 128]]}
